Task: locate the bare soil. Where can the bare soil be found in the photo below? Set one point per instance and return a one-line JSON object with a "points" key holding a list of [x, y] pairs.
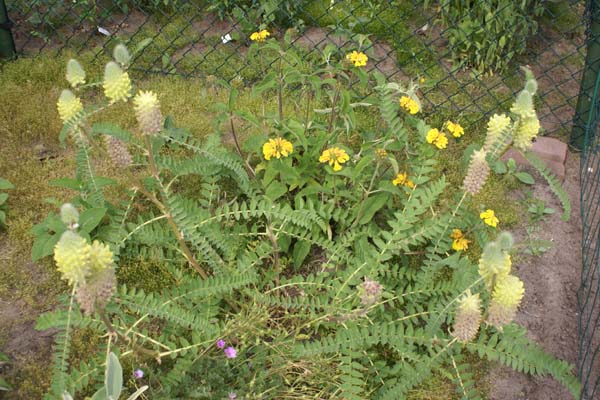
{"points": [[549, 308]]}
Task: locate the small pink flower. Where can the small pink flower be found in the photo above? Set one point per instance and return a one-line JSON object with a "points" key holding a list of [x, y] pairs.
{"points": [[138, 374], [232, 396], [220, 343], [230, 352]]}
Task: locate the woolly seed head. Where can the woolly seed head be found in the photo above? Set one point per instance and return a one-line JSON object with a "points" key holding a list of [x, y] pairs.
{"points": [[75, 74], [69, 215], [468, 318], [96, 291], [117, 151], [477, 173], [116, 84], [72, 257]]}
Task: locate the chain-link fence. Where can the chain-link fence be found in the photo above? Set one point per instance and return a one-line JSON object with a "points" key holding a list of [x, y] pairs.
{"points": [[451, 47], [588, 295], [454, 45]]}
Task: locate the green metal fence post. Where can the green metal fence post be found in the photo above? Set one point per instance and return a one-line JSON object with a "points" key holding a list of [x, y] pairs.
{"points": [[592, 68], [7, 45]]}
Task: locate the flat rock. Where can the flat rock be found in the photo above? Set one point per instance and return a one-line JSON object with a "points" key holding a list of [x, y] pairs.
{"points": [[550, 150]]}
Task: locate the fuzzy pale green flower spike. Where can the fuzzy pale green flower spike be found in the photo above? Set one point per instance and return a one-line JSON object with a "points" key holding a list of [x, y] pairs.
{"points": [[69, 106], [497, 125], [72, 256], [101, 257], [506, 298], [116, 84], [75, 73]]}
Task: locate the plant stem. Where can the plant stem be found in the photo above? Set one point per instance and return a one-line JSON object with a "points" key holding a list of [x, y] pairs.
{"points": [[239, 149], [113, 332], [167, 213], [333, 105], [280, 88]]}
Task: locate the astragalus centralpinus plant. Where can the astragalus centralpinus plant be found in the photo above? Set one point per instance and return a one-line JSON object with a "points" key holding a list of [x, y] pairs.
{"points": [[311, 258]]}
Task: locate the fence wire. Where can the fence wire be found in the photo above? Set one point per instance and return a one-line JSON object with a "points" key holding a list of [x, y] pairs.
{"points": [[407, 39]]}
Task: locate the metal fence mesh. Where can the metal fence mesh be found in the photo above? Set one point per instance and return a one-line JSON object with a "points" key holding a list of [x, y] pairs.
{"points": [[405, 40]]}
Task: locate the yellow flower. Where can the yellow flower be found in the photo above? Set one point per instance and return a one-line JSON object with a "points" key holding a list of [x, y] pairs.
{"points": [[437, 138], [260, 36], [357, 58], [277, 148], [409, 104], [455, 129], [402, 179], [335, 157], [489, 218], [460, 242], [421, 80]]}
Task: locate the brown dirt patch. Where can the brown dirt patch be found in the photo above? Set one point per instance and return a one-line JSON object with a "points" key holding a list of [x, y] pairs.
{"points": [[549, 309]]}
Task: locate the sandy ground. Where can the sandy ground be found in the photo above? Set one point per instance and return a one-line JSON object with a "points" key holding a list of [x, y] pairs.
{"points": [[549, 309]]}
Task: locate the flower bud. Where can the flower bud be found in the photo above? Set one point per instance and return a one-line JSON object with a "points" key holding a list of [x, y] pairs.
{"points": [[72, 256], [75, 73], [121, 55], [116, 84], [69, 106], [494, 264], [147, 111], [477, 173], [69, 215], [468, 318], [369, 292], [506, 298]]}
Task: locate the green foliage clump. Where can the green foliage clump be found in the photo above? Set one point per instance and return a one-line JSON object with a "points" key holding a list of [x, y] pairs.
{"points": [[488, 35], [305, 254]]}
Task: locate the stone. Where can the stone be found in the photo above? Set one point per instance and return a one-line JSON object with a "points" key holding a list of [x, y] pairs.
{"points": [[550, 150]]}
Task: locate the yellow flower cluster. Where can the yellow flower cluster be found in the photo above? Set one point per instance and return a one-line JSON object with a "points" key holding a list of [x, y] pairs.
{"points": [[460, 242], [357, 58], [489, 217], [381, 154], [437, 138], [409, 104], [335, 157], [260, 36], [277, 148], [402, 179], [455, 129]]}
